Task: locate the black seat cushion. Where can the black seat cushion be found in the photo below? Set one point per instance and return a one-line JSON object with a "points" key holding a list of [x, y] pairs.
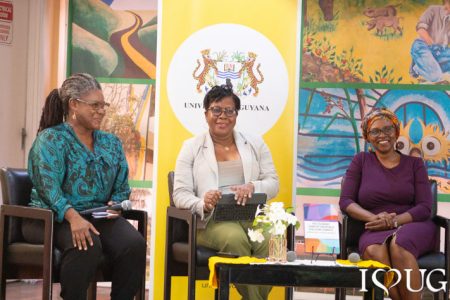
{"points": [[203, 255], [30, 254], [181, 253], [17, 191], [26, 254], [430, 261]]}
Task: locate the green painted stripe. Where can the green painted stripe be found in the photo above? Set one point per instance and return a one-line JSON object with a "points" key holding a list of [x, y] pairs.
{"points": [[318, 192], [421, 87], [140, 184], [444, 198], [336, 193], [125, 80]]}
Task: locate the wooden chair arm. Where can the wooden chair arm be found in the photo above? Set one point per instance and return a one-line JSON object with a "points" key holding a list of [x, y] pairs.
{"points": [[8, 211], [141, 217], [27, 212], [441, 222], [350, 229], [181, 214]]}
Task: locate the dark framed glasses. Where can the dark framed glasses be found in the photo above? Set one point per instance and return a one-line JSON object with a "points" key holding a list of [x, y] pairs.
{"points": [[217, 111], [387, 130]]}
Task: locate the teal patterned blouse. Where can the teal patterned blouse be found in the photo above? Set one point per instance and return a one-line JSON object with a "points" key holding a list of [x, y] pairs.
{"points": [[65, 173]]}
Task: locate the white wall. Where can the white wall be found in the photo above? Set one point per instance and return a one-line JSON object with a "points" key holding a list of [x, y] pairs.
{"points": [[29, 68], [13, 87], [46, 58]]}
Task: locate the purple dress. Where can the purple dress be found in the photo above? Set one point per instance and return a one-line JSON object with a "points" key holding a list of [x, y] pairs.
{"points": [[404, 188]]}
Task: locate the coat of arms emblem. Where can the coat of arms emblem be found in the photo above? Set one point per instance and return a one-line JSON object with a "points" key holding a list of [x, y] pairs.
{"points": [[220, 67]]}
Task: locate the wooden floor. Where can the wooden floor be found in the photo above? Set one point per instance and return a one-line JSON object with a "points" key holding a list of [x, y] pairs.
{"points": [[32, 290]]}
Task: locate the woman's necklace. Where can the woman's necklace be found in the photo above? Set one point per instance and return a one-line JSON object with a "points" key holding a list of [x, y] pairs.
{"points": [[226, 147]]}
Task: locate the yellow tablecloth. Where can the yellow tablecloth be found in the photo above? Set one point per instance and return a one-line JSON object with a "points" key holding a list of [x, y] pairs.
{"points": [[226, 260]]}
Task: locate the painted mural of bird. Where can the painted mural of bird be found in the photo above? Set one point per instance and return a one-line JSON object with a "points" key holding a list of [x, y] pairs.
{"points": [[426, 141]]}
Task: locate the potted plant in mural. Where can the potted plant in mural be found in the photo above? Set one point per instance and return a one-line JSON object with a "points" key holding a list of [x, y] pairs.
{"points": [[385, 76], [322, 63]]}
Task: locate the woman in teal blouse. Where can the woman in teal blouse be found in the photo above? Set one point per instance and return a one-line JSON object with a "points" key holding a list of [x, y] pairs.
{"points": [[67, 174], [74, 166]]}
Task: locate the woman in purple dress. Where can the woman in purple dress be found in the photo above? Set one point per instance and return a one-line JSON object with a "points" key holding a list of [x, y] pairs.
{"points": [[390, 192]]}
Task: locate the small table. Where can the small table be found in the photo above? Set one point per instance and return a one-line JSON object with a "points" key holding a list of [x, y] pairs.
{"points": [[296, 275]]}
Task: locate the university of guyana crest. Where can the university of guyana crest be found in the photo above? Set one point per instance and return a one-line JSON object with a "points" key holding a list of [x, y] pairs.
{"points": [[228, 53], [216, 68]]}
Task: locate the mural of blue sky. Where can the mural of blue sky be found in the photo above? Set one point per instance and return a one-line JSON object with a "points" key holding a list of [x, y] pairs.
{"points": [[329, 133]]}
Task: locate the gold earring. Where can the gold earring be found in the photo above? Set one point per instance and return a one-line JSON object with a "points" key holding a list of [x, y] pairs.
{"points": [[74, 116]]}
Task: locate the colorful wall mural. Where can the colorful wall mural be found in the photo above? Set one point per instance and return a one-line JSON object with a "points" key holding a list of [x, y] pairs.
{"points": [[131, 118], [114, 38], [373, 41], [329, 132]]}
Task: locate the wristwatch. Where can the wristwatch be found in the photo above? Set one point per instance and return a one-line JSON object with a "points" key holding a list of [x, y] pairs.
{"points": [[395, 224]]}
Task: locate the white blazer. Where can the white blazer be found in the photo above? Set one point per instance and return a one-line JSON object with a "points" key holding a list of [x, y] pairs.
{"points": [[196, 170]]}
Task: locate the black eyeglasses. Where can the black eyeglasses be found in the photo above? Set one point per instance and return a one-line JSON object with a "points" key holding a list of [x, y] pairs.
{"points": [[387, 130], [95, 105], [217, 111]]}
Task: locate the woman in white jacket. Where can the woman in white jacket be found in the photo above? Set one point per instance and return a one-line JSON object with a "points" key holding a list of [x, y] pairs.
{"points": [[223, 160]]}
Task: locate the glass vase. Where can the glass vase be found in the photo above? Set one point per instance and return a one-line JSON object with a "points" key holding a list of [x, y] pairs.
{"points": [[277, 248]]}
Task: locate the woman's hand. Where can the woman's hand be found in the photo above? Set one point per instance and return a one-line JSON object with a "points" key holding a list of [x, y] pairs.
{"points": [[243, 192], [210, 200], [381, 221], [80, 228]]}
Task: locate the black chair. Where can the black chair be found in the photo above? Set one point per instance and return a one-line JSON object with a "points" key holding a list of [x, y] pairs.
{"points": [[352, 230], [22, 260], [183, 256]]}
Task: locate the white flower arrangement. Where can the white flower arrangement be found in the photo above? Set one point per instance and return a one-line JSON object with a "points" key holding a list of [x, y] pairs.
{"points": [[272, 218]]}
